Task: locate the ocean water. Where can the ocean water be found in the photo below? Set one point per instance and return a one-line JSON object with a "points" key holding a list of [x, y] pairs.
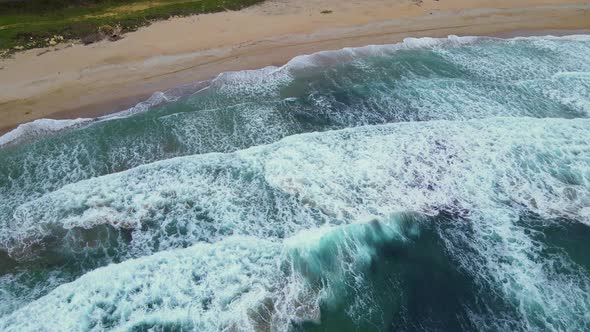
{"points": [[429, 185]]}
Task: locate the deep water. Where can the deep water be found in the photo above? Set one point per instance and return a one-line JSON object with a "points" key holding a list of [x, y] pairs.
{"points": [[430, 185]]}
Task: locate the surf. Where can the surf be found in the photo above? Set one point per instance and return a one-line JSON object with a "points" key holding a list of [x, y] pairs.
{"points": [[302, 197]]}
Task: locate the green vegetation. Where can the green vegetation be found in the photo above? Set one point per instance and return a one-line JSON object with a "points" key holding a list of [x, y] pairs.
{"points": [[36, 23]]}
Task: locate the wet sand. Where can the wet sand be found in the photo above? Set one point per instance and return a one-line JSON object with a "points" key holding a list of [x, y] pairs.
{"points": [[85, 81]]}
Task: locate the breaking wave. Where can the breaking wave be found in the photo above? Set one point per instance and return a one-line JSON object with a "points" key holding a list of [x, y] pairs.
{"points": [[435, 184]]}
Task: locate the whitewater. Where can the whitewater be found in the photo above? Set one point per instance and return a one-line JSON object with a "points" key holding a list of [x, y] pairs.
{"points": [[433, 184]]}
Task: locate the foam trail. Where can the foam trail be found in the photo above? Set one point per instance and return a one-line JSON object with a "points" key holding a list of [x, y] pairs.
{"points": [[43, 127], [40, 127], [488, 171], [418, 80], [274, 189], [204, 287], [239, 283], [491, 133], [248, 284]]}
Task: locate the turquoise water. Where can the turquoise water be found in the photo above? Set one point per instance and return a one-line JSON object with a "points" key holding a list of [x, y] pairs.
{"points": [[431, 185]]}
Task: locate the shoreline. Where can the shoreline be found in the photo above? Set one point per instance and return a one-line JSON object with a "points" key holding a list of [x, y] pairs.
{"points": [[109, 77]]}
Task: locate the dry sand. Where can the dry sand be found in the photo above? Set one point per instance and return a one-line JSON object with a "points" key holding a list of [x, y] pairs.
{"points": [[72, 81]]}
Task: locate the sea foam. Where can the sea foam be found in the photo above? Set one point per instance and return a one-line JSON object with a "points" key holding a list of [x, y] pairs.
{"points": [[487, 131], [37, 128], [319, 59], [537, 165], [443, 79], [239, 283], [487, 171]]}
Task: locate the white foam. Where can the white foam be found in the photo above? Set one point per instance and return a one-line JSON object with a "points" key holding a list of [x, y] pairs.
{"points": [[326, 58], [43, 127], [155, 99], [489, 171], [265, 77], [207, 287], [39, 127], [281, 187], [239, 283], [548, 291], [247, 284]]}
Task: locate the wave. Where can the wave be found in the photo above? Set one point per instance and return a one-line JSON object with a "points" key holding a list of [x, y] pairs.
{"points": [[490, 172], [516, 163], [245, 283], [322, 59], [239, 283], [418, 80], [486, 139], [39, 128]]}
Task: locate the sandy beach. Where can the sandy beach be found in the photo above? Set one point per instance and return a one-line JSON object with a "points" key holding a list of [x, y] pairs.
{"points": [[85, 81]]}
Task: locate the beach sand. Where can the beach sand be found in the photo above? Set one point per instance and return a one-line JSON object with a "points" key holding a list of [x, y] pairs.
{"points": [[86, 81]]}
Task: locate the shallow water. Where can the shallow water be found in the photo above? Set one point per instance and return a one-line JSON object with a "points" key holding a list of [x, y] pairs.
{"points": [[435, 184]]}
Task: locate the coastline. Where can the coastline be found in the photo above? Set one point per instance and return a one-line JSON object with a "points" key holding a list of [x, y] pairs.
{"points": [[107, 77]]}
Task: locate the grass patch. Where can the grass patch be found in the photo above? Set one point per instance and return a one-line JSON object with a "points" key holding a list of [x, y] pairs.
{"points": [[26, 24]]}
